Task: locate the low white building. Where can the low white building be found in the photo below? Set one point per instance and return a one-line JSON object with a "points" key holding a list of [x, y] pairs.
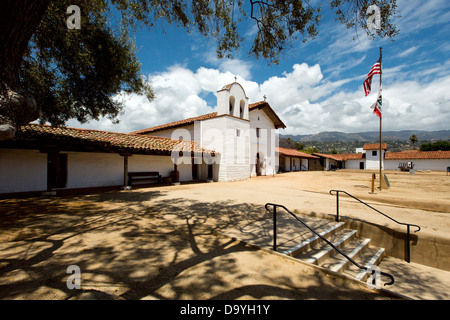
{"points": [[418, 160], [294, 160], [236, 142], [44, 158], [373, 156]]}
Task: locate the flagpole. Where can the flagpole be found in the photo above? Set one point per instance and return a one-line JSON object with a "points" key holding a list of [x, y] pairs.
{"points": [[381, 97]]}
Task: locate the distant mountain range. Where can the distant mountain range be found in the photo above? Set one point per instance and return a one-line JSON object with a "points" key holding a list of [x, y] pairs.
{"points": [[402, 135]]}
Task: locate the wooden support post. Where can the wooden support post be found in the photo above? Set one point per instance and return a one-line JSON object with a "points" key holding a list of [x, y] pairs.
{"points": [[125, 171], [125, 156], [372, 190], [175, 175]]}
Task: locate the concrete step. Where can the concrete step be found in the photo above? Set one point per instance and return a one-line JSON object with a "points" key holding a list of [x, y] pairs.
{"points": [[290, 233], [294, 237], [312, 241], [316, 251], [322, 251], [372, 257], [338, 262], [296, 240]]}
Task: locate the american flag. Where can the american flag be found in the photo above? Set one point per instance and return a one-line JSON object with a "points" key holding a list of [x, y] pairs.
{"points": [[376, 69]]}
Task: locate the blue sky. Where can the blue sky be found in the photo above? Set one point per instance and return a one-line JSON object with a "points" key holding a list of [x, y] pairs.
{"points": [[317, 85]]}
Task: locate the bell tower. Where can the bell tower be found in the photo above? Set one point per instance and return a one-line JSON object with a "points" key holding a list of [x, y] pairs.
{"points": [[233, 101]]}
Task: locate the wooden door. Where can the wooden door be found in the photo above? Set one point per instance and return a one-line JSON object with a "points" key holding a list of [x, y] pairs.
{"points": [[56, 170]]}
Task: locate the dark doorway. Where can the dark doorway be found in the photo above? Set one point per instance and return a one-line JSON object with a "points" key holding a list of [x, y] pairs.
{"points": [[56, 170], [210, 171], [194, 171], [258, 165], [361, 165]]}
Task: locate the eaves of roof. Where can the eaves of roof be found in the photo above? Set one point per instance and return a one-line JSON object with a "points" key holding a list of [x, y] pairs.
{"points": [[375, 146], [74, 139], [295, 153]]}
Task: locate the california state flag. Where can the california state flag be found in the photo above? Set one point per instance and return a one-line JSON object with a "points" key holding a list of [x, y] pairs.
{"points": [[377, 105]]}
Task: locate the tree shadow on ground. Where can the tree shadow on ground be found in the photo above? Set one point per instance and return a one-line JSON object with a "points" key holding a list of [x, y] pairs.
{"points": [[134, 245]]}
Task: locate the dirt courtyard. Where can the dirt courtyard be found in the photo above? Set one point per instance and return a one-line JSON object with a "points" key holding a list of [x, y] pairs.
{"points": [[162, 242]]}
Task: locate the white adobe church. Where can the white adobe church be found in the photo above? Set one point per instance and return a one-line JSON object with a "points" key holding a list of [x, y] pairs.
{"points": [[236, 142], [243, 136]]}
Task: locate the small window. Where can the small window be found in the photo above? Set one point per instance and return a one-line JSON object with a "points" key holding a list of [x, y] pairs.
{"points": [[238, 133], [374, 153], [258, 133]]}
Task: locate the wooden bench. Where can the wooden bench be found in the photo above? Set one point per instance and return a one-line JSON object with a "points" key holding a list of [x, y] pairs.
{"points": [[143, 177]]}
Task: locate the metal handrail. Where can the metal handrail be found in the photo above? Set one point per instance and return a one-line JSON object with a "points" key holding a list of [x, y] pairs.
{"points": [[317, 234], [408, 225]]}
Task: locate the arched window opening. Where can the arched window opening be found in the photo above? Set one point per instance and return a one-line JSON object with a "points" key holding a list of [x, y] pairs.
{"points": [[231, 105], [242, 108]]}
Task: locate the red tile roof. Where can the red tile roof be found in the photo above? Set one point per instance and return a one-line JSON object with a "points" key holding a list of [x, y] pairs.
{"points": [[329, 156], [402, 155], [176, 124], [375, 146], [342, 156], [350, 156], [295, 153], [416, 154], [95, 140]]}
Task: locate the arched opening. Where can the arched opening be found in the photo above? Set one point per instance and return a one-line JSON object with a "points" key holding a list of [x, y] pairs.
{"points": [[242, 108], [231, 110]]}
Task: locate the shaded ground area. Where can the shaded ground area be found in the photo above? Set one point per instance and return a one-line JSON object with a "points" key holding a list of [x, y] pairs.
{"points": [[161, 243], [135, 245]]}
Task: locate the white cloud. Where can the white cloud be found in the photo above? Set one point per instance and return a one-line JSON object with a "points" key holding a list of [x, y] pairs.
{"points": [[236, 66], [407, 52], [303, 99], [417, 15]]}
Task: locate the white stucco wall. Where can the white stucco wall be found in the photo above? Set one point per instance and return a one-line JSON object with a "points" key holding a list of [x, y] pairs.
{"points": [[298, 164], [90, 169], [230, 137], [372, 162], [304, 165], [22, 170], [354, 164], [266, 144], [161, 164], [420, 164]]}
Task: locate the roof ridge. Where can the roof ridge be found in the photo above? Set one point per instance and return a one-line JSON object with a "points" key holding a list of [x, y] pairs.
{"points": [[71, 128], [174, 123]]}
